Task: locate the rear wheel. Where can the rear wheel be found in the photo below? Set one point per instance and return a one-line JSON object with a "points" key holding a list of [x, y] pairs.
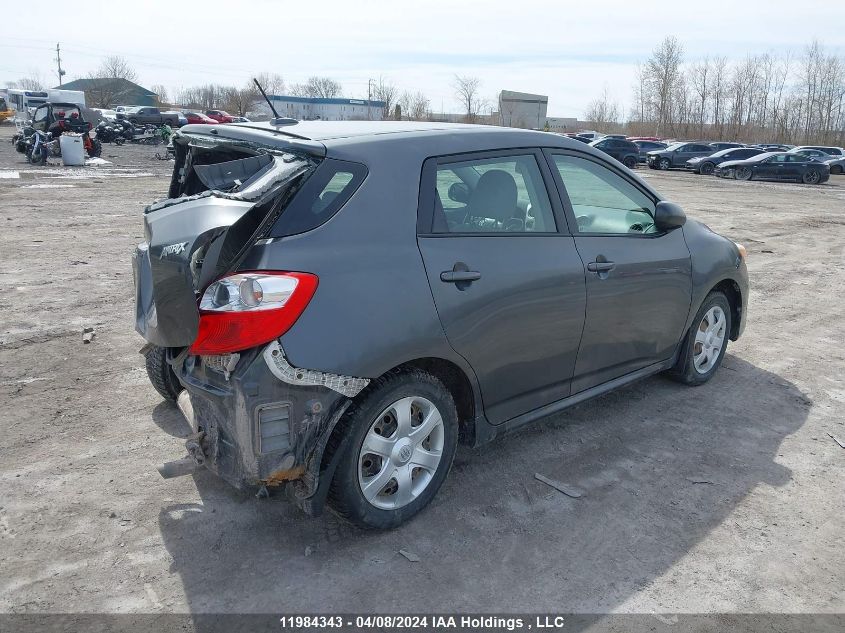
{"points": [[664, 163], [835, 170], [706, 168], [811, 177], [703, 348], [400, 440], [161, 374], [742, 173]]}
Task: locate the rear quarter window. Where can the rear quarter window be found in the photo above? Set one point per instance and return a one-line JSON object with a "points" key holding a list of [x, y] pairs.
{"points": [[321, 196]]}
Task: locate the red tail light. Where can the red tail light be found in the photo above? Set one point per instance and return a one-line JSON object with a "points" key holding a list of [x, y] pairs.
{"points": [[244, 310]]}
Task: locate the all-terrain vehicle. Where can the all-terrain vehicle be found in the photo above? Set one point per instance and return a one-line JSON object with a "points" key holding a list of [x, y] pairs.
{"points": [[58, 118]]}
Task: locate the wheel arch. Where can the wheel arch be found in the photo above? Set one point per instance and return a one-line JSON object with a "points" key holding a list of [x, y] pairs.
{"points": [[732, 291], [453, 377]]}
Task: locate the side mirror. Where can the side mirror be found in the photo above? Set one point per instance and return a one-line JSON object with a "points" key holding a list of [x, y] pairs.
{"points": [[668, 216], [459, 192]]}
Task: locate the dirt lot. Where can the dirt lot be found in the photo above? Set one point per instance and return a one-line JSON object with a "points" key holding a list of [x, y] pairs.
{"points": [[726, 497]]}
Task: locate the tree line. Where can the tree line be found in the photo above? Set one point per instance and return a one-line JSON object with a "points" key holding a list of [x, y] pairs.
{"points": [[788, 98]]}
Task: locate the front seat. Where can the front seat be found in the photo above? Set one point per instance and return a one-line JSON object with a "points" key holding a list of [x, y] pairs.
{"points": [[495, 197]]}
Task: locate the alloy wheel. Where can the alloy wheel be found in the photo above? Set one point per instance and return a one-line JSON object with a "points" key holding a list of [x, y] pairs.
{"points": [[811, 177], [709, 340], [400, 453]]}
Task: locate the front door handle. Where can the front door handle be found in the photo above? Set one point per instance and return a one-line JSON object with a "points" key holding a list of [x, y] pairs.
{"points": [[456, 276], [600, 267]]}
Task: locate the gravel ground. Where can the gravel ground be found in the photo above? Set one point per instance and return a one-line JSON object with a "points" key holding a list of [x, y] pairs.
{"points": [[723, 498]]}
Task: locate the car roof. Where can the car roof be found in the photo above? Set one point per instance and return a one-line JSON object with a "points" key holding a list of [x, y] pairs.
{"points": [[328, 130]]}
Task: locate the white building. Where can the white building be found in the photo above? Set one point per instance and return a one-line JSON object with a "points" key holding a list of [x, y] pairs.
{"points": [[522, 109], [312, 108]]}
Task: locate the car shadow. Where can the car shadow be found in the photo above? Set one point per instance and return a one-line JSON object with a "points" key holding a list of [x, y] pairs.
{"points": [[660, 466]]}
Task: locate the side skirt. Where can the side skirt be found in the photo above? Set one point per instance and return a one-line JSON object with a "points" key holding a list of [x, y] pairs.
{"points": [[486, 432]]}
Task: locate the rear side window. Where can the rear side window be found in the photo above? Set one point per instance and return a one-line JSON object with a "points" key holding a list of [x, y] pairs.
{"points": [[492, 195], [322, 195]]}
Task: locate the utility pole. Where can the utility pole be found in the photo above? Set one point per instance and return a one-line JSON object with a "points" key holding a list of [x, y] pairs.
{"points": [[60, 72], [370, 83]]}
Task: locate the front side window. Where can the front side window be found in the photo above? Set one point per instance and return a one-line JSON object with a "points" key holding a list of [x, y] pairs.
{"points": [[492, 195], [602, 201]]}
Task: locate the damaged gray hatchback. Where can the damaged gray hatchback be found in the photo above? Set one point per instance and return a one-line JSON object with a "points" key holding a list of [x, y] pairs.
{"points": [[335, 306]]}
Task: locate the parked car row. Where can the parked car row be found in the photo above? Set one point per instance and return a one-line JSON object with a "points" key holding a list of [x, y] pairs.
{"points": [[782, 166], [807, 164], [143, 115]]}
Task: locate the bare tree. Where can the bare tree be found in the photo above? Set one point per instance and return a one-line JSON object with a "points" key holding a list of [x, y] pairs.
{"points": [[161, 94], [116, 67], [317, 87], [466, 91], [385, 91], [30, 82], [415, 106], [603, 112], [663, 72], [241, 100], [273, 83], [700, 79]]}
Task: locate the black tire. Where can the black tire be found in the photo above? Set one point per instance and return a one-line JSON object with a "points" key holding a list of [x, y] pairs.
{"points": [[664, 164], [742, 173], [345, 496], [119, 140], [811, 177], [96, 148], [38, 159], [706, 168], [684, 370], [836, 170], [630, 162], [161, 374]]}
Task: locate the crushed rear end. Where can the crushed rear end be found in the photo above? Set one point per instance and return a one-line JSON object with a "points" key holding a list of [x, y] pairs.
{"points": [[256, 420]]}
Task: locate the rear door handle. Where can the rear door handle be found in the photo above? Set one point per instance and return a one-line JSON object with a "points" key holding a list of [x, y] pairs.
{"points": [[456, 276], [600, 267]]}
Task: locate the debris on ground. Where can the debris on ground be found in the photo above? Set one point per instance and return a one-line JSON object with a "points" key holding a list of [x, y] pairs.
{"points": [[693, 480], [94, 161], [410, 555], [308, 551], [837, 440], [560, 487], [88, 334]]}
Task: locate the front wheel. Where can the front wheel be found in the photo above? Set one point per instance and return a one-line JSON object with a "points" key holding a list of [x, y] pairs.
{"points": [[38, 158], [811, 177], [706, 168], [397, 444], [703, 348], [664, 163]]}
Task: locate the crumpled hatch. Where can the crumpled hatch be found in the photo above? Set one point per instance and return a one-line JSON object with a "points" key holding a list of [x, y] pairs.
{"points": [[224, 197]]}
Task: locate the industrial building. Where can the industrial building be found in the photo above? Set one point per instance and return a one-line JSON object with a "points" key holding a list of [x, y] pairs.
{"points": [[313, 108], [522, 109]]}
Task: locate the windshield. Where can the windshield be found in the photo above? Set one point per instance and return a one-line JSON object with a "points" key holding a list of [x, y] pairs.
{"points": [[674, 146]]}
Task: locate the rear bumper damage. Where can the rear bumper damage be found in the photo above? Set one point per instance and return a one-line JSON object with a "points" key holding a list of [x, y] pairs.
{"points": [[257, 421]]}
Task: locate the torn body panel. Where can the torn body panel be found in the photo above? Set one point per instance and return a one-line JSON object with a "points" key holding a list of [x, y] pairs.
{"points": [[201, 234], [258, 429]]}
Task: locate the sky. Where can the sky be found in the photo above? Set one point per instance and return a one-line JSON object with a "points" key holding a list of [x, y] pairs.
{"points": [[570, 51]]}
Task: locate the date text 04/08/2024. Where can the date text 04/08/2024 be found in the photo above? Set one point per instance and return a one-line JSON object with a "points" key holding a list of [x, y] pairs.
{"points": [[423, 622]]}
